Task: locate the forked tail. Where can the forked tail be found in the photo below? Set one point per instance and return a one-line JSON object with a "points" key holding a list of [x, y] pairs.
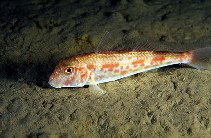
{"points": [[201, 58]]}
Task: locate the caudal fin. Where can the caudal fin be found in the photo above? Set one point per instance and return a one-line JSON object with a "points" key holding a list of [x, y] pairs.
{"points": [[201, 58]]}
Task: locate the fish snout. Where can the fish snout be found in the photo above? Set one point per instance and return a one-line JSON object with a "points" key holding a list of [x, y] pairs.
{"points": [[54, 79]]}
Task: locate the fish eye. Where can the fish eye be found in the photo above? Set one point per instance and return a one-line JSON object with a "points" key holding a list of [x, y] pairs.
{"points": [[68, 70]]}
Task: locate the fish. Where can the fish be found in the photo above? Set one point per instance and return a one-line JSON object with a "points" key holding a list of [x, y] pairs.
{"points": [[100, 67]]}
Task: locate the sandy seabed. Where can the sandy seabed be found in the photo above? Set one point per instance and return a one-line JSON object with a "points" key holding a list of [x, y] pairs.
{"points": [[34, 35]]}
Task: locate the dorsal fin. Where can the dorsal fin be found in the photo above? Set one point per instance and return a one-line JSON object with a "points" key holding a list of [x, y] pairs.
{"points": [[106, 43], [102, 42], [134, 41]]}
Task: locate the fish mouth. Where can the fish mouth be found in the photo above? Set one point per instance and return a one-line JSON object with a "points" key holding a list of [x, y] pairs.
{"points": [[55, 85]]}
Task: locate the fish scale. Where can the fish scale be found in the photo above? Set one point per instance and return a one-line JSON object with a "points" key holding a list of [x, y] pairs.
{"points": [[116, 65]]}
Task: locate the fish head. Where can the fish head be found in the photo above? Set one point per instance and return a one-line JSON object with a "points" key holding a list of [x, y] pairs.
{"points": [[69, 75]]}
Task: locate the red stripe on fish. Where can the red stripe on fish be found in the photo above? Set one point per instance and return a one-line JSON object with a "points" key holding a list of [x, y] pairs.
{"points": [[156, 60]]}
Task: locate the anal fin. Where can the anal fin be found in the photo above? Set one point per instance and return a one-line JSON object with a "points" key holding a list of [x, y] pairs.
{"points": [[97, 89]]}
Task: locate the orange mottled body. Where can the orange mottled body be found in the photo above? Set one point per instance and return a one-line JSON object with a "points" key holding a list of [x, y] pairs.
{"points": [[111, 66], [95, 68]]}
